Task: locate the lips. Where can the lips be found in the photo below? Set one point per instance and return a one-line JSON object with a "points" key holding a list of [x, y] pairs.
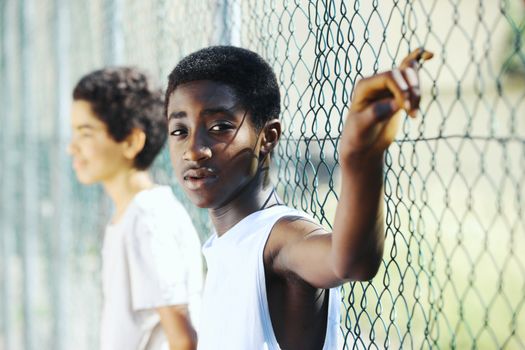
{"points": [[197, 178], [78, 164]]}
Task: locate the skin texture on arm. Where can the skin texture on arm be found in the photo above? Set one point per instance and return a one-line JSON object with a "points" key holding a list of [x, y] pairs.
{"points": [[354, 249], [176, 323]]}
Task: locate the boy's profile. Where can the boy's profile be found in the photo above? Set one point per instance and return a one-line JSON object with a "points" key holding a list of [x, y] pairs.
{"points": [[271, 269], [151, 265]]}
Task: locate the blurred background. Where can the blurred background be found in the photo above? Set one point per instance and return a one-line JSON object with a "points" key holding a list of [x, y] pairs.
{"points": [[453, 274]]}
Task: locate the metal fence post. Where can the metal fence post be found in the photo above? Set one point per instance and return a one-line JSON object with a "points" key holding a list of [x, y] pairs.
{"points": [[61, 184], [9, 185], [227, 23], [29, 136], [4, 177], [115, 37]]}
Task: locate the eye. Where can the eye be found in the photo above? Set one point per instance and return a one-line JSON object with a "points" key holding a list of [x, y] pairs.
{"points": [[221, 126], [178, 132]]}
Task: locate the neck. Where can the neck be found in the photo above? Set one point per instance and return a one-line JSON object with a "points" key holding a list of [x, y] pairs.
{"points": [[124, 186], [255, 196]]}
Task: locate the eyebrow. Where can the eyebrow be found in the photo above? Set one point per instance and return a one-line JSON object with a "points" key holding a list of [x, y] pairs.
{"points": [[205, 112], [84, 126], [211, 111], [177, 115]]}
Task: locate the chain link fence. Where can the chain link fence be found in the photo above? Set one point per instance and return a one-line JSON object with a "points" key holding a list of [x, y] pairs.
{"points": [[453, 274]]}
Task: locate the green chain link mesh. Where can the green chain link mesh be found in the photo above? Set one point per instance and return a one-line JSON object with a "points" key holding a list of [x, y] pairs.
{"points": [[452, 276]]}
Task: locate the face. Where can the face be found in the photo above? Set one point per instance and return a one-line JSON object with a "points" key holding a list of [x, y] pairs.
{"points": [[96, 156], [214, 146]]}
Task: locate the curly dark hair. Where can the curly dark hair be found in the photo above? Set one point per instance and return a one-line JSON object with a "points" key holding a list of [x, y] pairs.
{"points": [[247, 73], [124, 98]]}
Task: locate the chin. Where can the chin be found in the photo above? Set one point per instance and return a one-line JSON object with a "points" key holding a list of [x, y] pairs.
{"points": [[85, 180], [199, 201]]}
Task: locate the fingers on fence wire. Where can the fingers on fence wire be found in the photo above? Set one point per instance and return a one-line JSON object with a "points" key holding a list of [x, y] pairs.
{"points": [[409, 68], [414, 93], [385, 93], [406, 79], [416, 58], [396, 89]]}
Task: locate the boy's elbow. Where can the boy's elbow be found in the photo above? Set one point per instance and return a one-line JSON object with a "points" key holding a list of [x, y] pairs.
{"points": [[368, 270], [184, 343], [359, 270]]}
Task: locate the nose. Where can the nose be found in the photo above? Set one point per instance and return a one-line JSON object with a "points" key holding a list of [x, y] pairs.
{"points": [[197, 149], [70, 148]]}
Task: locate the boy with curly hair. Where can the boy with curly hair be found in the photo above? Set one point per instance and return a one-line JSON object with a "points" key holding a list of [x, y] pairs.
{"points": [[151, 263], [273, 272]]}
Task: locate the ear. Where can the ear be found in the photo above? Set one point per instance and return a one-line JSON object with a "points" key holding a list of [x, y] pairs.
{"points": [[134, 143], [270, 135]]}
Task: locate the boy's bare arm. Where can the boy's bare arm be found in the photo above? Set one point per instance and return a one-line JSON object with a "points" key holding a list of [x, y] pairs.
{"points": [[175, 321], [354, 249]]}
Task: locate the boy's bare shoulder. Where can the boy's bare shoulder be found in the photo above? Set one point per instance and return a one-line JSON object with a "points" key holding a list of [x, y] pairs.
{"points": [[289, 231], [296, 227]]}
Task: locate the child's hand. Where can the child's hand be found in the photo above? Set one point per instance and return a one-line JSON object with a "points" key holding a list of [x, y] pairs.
{"points": [[373, 117]]}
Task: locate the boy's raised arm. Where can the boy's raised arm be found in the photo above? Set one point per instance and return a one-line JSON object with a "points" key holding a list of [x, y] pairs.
{"points": [[355, 248]]}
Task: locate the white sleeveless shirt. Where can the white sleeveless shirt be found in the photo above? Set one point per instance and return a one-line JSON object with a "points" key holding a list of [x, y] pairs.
{"points": [[235, 313]]}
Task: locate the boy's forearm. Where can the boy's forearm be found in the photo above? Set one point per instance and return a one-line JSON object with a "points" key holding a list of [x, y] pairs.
{"points": [[358, 234], [177, 326]]}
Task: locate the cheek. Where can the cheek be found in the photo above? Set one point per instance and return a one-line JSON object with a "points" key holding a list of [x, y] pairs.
{"points": [[85, 149], [104, 155], [175, 154], [243, 163], [99, 151]]}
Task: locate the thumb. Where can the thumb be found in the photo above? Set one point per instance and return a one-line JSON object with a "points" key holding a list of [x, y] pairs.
{"points": [[376, 113], [374, 128], [382, 110]]}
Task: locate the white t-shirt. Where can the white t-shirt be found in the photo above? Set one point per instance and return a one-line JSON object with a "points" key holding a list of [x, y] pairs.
{"points": [[235, 313], [150, 258]]}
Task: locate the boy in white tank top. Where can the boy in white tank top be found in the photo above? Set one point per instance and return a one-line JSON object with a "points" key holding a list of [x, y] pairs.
{"points": [[151, 261], [273, 272]]}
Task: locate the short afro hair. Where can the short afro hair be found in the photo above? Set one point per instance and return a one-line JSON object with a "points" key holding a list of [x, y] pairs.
{"points": [[124, 98], [247, 73]]}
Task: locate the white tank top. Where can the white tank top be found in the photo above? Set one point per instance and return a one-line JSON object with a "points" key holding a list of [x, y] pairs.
{"points": [[235, 313]]}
